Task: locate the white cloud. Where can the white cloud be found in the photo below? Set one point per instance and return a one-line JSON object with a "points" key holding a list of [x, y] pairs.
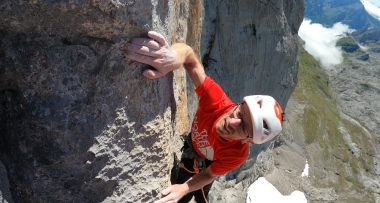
{"points": [[320, 41], [375, 2], [262, 191], [372, 7]]}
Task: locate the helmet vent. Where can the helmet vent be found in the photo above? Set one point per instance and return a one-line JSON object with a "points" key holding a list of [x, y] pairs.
{"points": [[260, 103], [266, 128]]}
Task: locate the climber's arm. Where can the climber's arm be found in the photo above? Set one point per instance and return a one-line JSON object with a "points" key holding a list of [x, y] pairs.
{"points": [[176, 192], [156, 52], [191, 63]]}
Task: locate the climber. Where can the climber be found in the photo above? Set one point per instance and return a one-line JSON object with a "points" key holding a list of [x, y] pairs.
{"points": [[221, 130]]}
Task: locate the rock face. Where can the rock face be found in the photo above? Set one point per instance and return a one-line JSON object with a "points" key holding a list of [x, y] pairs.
{"points": [[79, 123], [250, 47], [5, 194]]}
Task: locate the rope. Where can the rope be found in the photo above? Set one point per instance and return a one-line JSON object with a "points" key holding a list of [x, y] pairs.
{"points": [[196, 171]]}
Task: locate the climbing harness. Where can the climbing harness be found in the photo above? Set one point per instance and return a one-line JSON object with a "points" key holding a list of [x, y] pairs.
{"points": [[188, 152], [196, 171]]}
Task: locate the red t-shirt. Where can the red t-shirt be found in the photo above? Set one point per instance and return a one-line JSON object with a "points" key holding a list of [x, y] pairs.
{"points": [[213, 103]]}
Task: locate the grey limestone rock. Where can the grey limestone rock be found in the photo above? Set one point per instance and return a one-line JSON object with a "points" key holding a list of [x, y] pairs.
{"points": [[250, 47], [364, 57], [5, 194], [78, 122]]}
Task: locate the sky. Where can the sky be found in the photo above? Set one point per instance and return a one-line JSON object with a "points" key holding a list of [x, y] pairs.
{"points": [[262, 191], [372, 7], [320, 41]]}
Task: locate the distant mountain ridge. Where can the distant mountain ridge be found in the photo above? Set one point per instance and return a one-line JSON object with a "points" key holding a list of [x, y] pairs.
{"points": [[350, 12], [366, 36]]}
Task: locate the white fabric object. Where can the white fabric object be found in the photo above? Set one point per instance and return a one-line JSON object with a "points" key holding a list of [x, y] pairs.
{"points": [[262, 191]]}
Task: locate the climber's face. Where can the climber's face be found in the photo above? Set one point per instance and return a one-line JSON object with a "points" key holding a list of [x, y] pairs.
{"points": [[236, 124]]}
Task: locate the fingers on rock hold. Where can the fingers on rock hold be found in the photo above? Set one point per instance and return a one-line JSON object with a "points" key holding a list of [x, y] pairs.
{"points": [[152, 74], [158, 37], [146, 42], [140, 58], [144, 50]]}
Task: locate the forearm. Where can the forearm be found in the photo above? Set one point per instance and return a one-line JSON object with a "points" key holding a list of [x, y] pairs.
{"points": [[191, 63], [199, 180]]}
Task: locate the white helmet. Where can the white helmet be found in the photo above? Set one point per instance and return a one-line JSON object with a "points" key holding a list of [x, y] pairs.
{"points": [[266, 115]]}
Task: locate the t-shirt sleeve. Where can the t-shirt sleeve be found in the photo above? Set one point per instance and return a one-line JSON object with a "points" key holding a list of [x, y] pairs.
{"points": [[229, 162], [211, 95]]}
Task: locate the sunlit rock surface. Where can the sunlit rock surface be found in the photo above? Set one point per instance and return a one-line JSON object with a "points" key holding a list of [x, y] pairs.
{"points": [[79, 123]]}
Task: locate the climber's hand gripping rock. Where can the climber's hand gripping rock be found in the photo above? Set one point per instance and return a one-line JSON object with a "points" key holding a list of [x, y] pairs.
{"points": [[156, 52]]}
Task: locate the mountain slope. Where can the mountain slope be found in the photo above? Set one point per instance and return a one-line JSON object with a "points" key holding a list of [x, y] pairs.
{"points": [[338, 149], [350, 12]]}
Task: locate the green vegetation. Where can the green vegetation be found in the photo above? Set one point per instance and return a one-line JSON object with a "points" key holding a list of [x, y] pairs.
{"points": [[359, 137], [348, 44], [346, 41], [321, 122], [320, 115]]}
